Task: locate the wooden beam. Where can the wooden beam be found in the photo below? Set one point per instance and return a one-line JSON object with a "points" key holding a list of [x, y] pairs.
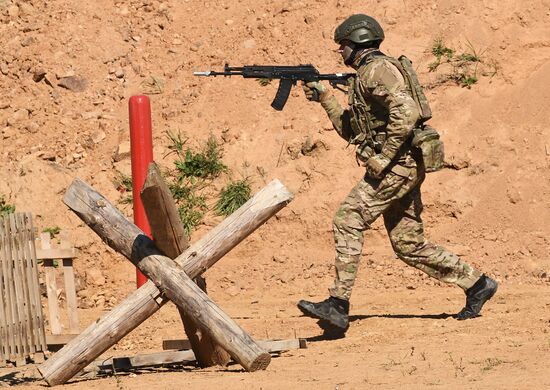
{"points": [[170, 238], [178, 357], [55, 253], [59, 339], [268, 345], [144, 302]]}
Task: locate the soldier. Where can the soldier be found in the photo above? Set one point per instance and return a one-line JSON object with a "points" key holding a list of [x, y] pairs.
{"points": [[385, 121]]}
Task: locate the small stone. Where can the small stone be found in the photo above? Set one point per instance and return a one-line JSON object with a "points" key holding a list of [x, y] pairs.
{"points": [[4, 68], [229, 22], [47, 155], [194, 48], [98, 136], [119, 73], [38, 75], [13, 11], [27, 41], [123, 151], [26, 9], [32, 127], [18, 116], [94, 277], [4, 105], [249, 43], [73, 83]]}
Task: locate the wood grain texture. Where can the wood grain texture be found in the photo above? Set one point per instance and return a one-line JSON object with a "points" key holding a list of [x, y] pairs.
{"points": [[121, 234], [170, 238]]}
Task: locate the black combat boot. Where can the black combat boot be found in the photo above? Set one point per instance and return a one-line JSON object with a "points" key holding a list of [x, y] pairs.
{"points": [[333, 310], [476, 296]]}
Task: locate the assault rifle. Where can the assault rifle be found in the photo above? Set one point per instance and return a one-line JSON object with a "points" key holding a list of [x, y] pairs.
{"points": [[288, 75]]}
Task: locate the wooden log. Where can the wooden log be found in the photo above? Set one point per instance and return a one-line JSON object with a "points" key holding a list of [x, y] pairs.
{"points": [[170, 238], [176, 284], [140, 305]]}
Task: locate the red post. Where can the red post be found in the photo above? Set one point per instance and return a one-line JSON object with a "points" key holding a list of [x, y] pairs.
{"points": [[141, 146]]}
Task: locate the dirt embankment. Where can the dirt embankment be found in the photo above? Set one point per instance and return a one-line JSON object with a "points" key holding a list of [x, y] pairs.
{"points": [[67, 69]]}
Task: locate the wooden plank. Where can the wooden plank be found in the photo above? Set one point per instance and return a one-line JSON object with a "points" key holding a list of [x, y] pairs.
{"points": [[70, 290], [51, 287], [36, 285], [178, 357], [70, 294], [268, 345], [4, 341], [144, 302], [14, 329], [26, 240], [25, 309], [169, 235], [125, 363], [19, 273], [56, 253], [59, 339], [23, 238]]}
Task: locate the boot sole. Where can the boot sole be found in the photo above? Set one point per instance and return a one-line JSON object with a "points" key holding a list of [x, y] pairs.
{"points": [[313, 315], [492, 293]]}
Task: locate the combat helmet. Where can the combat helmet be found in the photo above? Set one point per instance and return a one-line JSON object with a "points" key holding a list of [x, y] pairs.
{"points": [[360, 29]]}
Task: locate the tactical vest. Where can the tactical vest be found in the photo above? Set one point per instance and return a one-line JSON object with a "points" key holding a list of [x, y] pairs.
{"points": [[369, 120]]}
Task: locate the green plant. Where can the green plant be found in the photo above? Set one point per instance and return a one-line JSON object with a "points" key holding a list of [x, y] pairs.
{"points": [[205, 164], [177, 142], [264, 82], [123, 184], [464, 67], [5, 208], [490, 363], [191, 204], [232, 196], [53, 230]]}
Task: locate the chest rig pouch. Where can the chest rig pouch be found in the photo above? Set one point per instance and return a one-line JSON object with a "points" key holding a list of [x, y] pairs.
{"points": [[425, 137], [367, 123]]}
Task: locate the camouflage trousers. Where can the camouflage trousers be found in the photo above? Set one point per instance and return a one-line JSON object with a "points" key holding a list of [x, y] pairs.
{"points": [[397, 198]]}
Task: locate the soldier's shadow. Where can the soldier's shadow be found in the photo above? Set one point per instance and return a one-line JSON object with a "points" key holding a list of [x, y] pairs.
{"points": [[441, 316], [332, 333]]}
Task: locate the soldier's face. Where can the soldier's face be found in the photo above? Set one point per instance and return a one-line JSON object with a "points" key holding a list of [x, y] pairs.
{"points": [[346, 50]]}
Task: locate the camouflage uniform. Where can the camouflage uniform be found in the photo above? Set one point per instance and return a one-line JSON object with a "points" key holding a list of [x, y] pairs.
{"points": [[379, 121]]}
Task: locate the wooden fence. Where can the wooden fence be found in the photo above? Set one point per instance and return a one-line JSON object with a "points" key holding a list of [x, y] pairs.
{"points": [[22, 333]]}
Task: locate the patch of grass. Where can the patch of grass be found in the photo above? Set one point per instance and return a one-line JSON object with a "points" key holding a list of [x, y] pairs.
{"points": [[176, 142], [193, 172], [52, 230], [191, 204], [233, 196], [123, 184], [490, 363], [204, 164], [264, 82], [5, 208], [464, 66]]}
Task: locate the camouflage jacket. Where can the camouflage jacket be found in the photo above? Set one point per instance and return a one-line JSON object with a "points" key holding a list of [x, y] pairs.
{"points": [[381, 113]]}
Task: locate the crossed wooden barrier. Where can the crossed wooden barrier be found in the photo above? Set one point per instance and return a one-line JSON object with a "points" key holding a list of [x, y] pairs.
{"points": [[168, 279]]}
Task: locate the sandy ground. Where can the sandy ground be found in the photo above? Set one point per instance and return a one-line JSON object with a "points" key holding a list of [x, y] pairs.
{"points": [[492, 207]]}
